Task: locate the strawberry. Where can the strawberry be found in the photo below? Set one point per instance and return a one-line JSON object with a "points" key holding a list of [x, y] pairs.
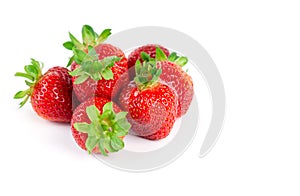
{"points": [[172, 72], [51, 93], [135, 55], [151, 104], [99, 126], [98, 69], [176, 77], [173, 75]]}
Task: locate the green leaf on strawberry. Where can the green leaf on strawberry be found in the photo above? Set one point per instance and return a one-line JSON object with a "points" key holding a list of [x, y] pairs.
{"points": [[88, 35], [107, 74], [89, 39], [68, 45], [161, 56], [91, 67], [33, 73], [178, 60], [181, 61], [147, 74], [105, 129], [173, 56], [116, 143], [103, 36], [93, 113]]}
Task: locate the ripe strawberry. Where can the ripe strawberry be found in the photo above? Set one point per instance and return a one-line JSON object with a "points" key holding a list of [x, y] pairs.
{"points": [[174, 76], [151, 104], [99, 126], [99, 69], [135, 55], [51, 93]]}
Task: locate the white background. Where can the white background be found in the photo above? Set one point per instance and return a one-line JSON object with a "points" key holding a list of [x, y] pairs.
{"points": [[255, 45]]}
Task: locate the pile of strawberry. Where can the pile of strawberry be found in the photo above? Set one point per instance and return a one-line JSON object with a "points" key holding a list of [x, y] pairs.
{"points": [[105, 95]]}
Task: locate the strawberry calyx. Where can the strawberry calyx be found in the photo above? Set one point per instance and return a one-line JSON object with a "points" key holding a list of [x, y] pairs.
{"points": [[91, 66], [147, 73], [173, 57], [33, 73], [105, 129], [89, 38]]}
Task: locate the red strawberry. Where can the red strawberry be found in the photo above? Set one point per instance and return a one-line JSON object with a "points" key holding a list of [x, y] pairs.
{"points": [[99, 69], [172, 73], [151, 104], [174, 76], [99, 126], [135, 55], [51, 93]]}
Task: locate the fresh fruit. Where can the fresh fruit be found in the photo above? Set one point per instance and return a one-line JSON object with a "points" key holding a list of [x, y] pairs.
{"points": [[135, 55], [174, 76], [151, 104], [98, 69], [50, 94], [99, 126]]}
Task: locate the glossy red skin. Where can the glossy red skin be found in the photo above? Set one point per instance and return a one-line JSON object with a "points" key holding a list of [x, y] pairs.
{"points": [[151, 112], [80, 115], [181, 82], [52, 95], [136, 55], [103, 88]]}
